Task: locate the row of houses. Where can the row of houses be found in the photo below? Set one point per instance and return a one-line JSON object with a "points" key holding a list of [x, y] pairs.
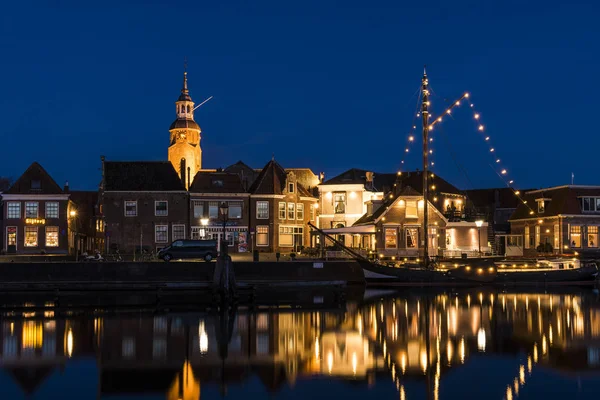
{"points": [[146, 204]]}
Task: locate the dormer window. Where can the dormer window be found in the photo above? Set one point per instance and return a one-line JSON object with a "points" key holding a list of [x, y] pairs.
{"points": [[541, 206], [36, 184], [589, 204], [217, 183], [291, 187]]}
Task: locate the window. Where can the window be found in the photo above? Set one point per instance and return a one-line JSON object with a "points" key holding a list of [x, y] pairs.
{"points": [[312, 212], [391, 238], [291, 211], [262, 235], [300, 211], [36, 184], [556, 237], [229, 238], [52, 209], [527, 238], [592, 236], [575, 237], [235, 209], [286, 236], [217, 183], [339, 203], [411, 209], [213, 209], [291, 187], [130, 208], [597, 203], [161, 208], [161, 233], [31, 209], [11, 235], [589, 204], [198, 209], [262, 210], [541, 206], [52, 236], [178, 232], [281, 210], [13, 210], [31, 236], [537, 235], [412, 237]]}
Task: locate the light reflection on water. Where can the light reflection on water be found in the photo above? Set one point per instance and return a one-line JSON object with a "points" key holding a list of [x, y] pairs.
{"points": [[499, 345]]}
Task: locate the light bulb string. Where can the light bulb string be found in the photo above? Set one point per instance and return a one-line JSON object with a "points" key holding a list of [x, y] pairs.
{"points": [[411, 134]]}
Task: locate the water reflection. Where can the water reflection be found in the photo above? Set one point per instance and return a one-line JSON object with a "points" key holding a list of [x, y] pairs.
{"points": [[403, 346]]}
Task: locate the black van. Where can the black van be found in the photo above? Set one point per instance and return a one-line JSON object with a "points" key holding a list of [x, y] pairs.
{"points": [[186, 249]]}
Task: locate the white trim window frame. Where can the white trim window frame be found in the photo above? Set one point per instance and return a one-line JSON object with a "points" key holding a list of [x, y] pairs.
{"points": [[411, 205], [592, 236], [527, 234], [13, 210], [282, 210], [263, 231], [179, 234], [262, 209], [291, 187], [15, 237], [52, 209], [291, 211], [390, 233], [130, 208], [300, 211], [162, 212], [35, 234], [52, 233], [32, 209], [158, 234]]}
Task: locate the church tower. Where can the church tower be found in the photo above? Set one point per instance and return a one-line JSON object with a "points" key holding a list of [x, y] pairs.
{"points": [[184, 148]]}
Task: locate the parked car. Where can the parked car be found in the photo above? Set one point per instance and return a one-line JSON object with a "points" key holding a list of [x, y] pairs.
{"points": [[189, 249]]}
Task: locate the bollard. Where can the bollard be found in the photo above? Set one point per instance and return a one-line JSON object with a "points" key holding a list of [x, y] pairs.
{"points": [[277, 256], [255, 256]]}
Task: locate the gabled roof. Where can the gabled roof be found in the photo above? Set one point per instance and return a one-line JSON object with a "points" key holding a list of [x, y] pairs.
{"points": [[42, 182], [217, 182], [503, 197], [381, 181], [563, 200], [271, 180], [140, 176], [247, 174]]}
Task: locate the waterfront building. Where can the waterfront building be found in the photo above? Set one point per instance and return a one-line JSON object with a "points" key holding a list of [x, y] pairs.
{"points": [[343, 199], [561, 219], [208, 192], [185, 153], [144, 203], [281, 208], [36, 217], [393, 226]]}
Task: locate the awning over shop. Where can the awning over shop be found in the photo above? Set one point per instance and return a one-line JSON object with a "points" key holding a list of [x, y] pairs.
{"points": [[352, 229]]}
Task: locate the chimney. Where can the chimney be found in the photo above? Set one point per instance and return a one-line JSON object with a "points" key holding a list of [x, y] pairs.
{"points": [[369, 180], [182, 171], [66, 187]]}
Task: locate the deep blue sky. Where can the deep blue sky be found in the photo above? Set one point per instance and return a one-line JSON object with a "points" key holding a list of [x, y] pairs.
{"points": [[321, 84]]}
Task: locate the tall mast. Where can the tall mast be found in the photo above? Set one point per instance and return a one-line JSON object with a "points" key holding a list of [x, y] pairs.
{"points": [[425, 116]]}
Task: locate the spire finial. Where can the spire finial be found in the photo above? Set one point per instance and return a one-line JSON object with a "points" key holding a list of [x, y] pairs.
{"points": [[424, 70], [272, 156]]}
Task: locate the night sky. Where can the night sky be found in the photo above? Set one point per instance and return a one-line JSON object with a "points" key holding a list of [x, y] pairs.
{"points": [[319, 84]]}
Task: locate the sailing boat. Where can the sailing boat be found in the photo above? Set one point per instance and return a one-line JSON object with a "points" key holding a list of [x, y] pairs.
{"points": [[472, 270]]}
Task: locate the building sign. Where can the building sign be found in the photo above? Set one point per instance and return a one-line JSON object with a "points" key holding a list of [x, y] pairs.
{"points": [[35, 221]]}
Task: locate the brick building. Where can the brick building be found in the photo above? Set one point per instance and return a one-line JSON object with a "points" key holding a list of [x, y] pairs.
{"points": [[144, 203], [208, 191], [562, 219], [281, 208]]}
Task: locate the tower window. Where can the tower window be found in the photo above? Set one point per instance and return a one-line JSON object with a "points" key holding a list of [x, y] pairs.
{"points": [[188, 109]]}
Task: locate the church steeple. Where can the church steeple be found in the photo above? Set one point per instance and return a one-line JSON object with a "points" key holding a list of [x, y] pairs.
{"points": [[185, 134]]}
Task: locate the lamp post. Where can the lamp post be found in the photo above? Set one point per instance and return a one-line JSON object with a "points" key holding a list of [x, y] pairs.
{"points": [[224, 211], [73, 215], [479, 224], [204, 223]]}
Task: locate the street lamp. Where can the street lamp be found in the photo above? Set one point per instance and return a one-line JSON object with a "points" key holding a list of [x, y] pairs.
{"points": [[204, 223], [73, 214], [224, 211], [479, 224]]}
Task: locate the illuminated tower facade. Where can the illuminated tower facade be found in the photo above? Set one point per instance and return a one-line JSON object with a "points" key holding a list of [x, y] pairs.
{"points": [[185, 153]]}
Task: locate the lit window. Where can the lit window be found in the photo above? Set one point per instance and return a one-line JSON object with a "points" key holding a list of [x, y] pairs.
{"points": [[281, 210], [291, 211], [339, 203], [262, 235], [161, 208], [537, 235], [198, 209], [541, 206], [312, 212], [411, 209], [161, 233], [286, 235], [31, 209], [213, 209], [575, 237], [11, 235], [391, 238], [13, 210], [592, 236], [235, 209], [52, 236], [178, 232], [31, 236], [130, 208], [556, 237], [300, 211], [527, 237], [52, 209], [412, 238], [262, 210]]}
